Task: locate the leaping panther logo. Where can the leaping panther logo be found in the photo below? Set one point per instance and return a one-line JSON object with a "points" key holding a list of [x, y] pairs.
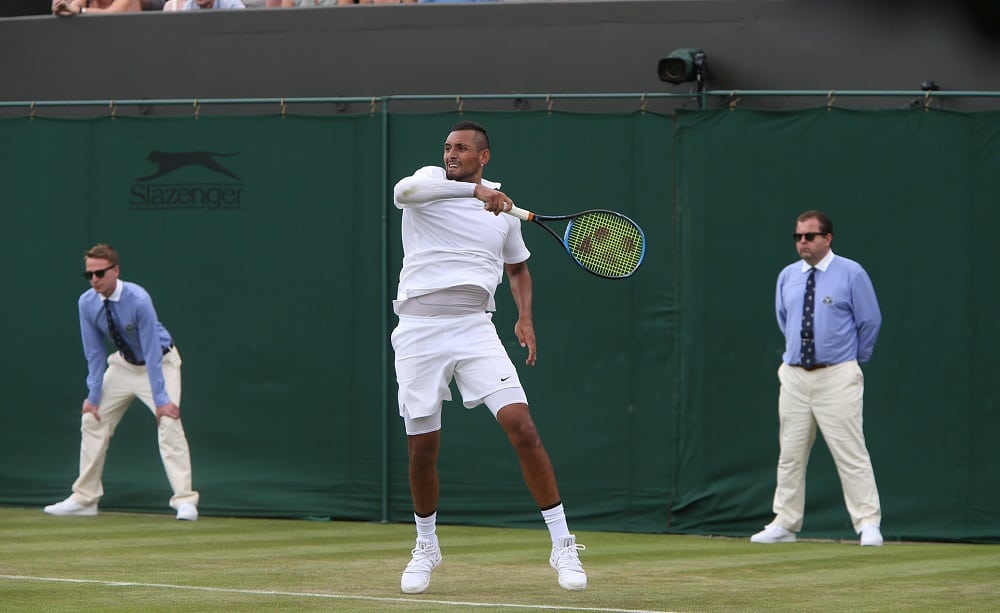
{"points": [[167, 162]]}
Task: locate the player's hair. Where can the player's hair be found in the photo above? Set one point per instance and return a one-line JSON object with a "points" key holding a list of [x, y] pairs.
{"points": [[102, 251], [825, 223], [465, 124]]}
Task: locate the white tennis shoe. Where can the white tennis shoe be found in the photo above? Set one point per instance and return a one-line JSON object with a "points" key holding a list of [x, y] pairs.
{"points": [[773, 533], [871, 536], [187, 512], [417, 576], [565, 559], [71, 507]]}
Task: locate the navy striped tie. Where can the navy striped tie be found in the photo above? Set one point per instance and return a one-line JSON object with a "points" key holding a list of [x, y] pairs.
{"points": [[116, 336], [808, 316]]}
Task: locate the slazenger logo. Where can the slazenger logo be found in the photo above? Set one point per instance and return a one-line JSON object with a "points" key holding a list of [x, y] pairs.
{"points": [[157, 190]]}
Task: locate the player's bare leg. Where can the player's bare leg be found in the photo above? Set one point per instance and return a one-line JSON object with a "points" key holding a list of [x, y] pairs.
{"points": [[535, 463], [515, 419], [424, 488]]}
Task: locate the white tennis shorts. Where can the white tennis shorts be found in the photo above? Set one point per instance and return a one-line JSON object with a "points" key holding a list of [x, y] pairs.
{"points": [[430, 351]]}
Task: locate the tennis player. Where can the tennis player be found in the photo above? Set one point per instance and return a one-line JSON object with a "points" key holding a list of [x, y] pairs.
{"points": [[456, 247]]}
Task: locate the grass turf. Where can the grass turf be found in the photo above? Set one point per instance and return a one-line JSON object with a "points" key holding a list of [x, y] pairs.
{"points": [[133, 562]]}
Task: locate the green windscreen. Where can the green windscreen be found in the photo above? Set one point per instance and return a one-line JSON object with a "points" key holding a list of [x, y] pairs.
{"points": [[271, 249]]}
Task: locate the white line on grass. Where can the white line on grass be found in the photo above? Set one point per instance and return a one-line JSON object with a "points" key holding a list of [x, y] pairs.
{"points": [[494, 605]]}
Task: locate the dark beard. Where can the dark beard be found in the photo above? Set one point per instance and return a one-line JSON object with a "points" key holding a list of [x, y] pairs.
{"points": [[457, 175]]}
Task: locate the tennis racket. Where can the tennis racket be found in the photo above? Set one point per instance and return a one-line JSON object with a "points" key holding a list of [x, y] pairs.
{"points": [[604, 243]]}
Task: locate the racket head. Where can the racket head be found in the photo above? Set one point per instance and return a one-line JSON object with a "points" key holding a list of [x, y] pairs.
{"points": [[605, 243]]}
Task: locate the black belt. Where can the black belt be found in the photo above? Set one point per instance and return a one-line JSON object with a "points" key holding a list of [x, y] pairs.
{"points": [[166, 350], [813, 367]]}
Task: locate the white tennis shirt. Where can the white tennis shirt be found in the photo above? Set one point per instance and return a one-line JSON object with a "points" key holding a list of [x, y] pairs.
{"points": [[449, 240]]}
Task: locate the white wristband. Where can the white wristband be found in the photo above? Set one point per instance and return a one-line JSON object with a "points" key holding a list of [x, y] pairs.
{"points": [[83, 10]]}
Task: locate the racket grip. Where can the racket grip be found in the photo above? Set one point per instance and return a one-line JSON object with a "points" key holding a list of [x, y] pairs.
{"points": [[520, 213]]}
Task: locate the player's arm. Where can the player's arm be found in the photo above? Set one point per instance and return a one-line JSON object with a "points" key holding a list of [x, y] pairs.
{"points": [[428, 185], [521, 290], [494, 200]]}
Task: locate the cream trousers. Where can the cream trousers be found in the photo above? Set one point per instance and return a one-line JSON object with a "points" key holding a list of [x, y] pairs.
{"points": [[830, 398], [123, 383]]}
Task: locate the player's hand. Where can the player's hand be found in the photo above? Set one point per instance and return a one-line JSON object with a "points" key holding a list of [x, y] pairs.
{"points": [[525, 331], [170, 410], [90, 407], [494, 201]]}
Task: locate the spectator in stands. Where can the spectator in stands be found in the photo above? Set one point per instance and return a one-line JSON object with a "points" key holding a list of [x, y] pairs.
{"points": [[152, 5], [207, 5], [307, 3], [67, 8], [181, 5]]}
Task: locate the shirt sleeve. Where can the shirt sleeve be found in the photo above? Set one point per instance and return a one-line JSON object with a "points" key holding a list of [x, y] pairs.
{"points": [[779, 303], [427, 185], [152, 352], [514, 250], [94, 352], [867, 316]]}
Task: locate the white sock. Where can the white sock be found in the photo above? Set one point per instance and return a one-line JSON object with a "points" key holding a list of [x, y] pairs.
{"points": [[426, 527], [555, 519]]}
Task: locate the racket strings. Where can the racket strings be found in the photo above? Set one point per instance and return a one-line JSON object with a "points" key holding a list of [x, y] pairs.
{"points": [[606, 244]]}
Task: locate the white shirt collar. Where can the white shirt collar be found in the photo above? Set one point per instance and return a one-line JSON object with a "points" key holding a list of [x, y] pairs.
{"points": [[115, 295], [822, 264]]}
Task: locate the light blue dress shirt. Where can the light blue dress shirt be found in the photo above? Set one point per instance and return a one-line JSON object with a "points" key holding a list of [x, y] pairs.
{"points": [[847, 319], [136, 319]]}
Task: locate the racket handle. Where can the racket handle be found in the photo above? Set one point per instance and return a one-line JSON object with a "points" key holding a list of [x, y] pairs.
{"points": [[520, 213]]}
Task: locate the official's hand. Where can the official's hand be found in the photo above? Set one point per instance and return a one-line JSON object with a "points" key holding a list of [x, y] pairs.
{"points": [[525, 331], [494, 201], [89, 407], [170, 410]]}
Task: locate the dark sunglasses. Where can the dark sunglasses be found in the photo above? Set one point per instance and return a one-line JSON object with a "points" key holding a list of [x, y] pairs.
{"points": [[809, 236], [89, 274]]}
